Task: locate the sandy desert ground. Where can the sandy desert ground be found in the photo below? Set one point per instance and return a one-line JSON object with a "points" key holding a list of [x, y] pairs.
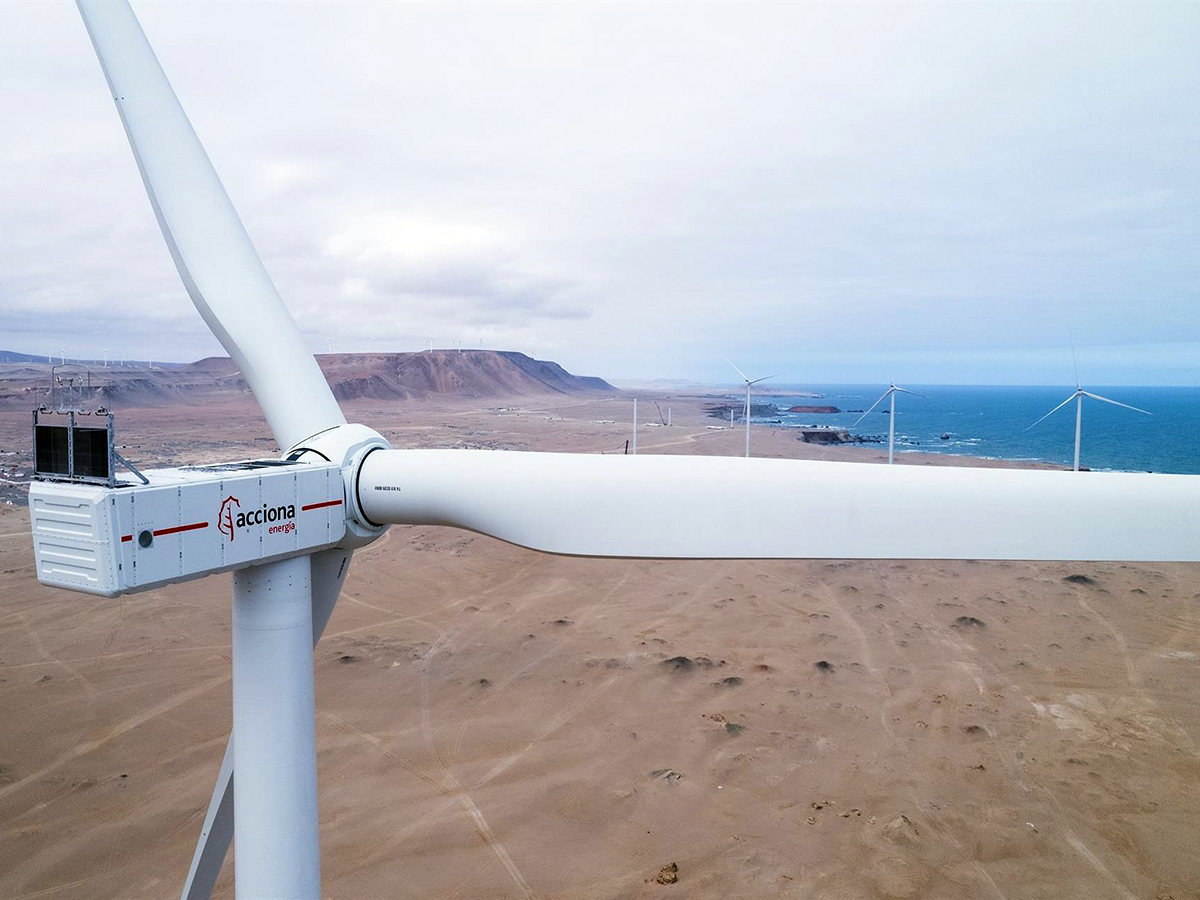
{"points": [[495, 723]]}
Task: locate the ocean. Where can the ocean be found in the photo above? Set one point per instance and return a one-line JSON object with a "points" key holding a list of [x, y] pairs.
{"points": [[990, 421]]}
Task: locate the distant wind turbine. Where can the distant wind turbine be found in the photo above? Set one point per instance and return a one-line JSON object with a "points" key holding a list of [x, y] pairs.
{"points": [[749, 383], [1078, 396], [892, 390]]}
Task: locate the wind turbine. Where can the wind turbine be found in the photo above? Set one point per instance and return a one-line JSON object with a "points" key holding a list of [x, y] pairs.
{"points": [[650, 506], [749, 383], [1078, 396], [891, 392]]}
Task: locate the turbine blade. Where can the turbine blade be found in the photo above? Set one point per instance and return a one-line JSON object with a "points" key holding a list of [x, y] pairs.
{"points": [[922, 396], [871, 407], [697, 507], [1075, 363], [764, 378], [216, 260], [1053, 411], [1115, 403], [735, 368]]}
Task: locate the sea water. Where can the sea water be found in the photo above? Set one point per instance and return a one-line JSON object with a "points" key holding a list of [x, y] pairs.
{"points": [[993, 422]]}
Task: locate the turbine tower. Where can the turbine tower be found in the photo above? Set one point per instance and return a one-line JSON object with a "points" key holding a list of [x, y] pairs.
{"points": [[285, 583], [891, 392], [1078, 396], [749, 383]]}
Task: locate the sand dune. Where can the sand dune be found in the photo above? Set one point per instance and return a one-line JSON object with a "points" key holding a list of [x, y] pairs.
{"points": [[496, 723]]}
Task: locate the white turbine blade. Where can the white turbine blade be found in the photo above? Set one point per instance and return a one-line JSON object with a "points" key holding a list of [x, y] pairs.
{"points": [[1115, 403], [1053, 411], [215, 258], [765, 377], [920, 396], [872, 406], [720, 507], [735, 368]]}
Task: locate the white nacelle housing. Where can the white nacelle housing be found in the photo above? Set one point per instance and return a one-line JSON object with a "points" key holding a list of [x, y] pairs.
{"points": [[186, 523]]}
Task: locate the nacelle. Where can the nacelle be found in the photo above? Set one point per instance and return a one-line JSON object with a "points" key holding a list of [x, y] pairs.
{"points": [[185, 523]]}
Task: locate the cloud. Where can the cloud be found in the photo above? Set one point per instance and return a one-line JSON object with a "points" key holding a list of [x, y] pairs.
{"points": [[631, 187], [434, 269]]}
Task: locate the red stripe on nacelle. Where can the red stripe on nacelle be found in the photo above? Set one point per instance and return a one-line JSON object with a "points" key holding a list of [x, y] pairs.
{"points": [[179, 528], [320, 505], [126, 537]]}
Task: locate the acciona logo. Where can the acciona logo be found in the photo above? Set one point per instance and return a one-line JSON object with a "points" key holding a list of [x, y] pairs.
{"points": [[230, 519], [225, 516]]}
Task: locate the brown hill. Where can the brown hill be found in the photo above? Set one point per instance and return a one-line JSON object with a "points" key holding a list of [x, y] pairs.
{"points": [[476, 374]]}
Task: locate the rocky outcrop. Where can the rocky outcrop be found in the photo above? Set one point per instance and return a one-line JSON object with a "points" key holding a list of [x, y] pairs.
{"points": [[826, 436], [757, 410], [821, 410]]}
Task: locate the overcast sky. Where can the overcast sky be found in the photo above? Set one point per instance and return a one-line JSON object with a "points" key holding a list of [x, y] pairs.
{"points": [[947, 193]]}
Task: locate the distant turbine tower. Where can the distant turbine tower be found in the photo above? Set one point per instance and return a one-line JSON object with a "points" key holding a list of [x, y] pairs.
{"points": [[63, 350], [431, 343], [749, 383], [106, 357], [668, 417], [330, 342], [634, 451], [890, 392], [1078, 396]]}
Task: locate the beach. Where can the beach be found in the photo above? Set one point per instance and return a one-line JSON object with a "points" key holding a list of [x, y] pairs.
{"points": [[493, 722]]}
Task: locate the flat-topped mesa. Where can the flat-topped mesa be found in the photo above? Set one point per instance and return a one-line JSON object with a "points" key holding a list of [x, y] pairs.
{"points": [[475, 374], [822, 410]]}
